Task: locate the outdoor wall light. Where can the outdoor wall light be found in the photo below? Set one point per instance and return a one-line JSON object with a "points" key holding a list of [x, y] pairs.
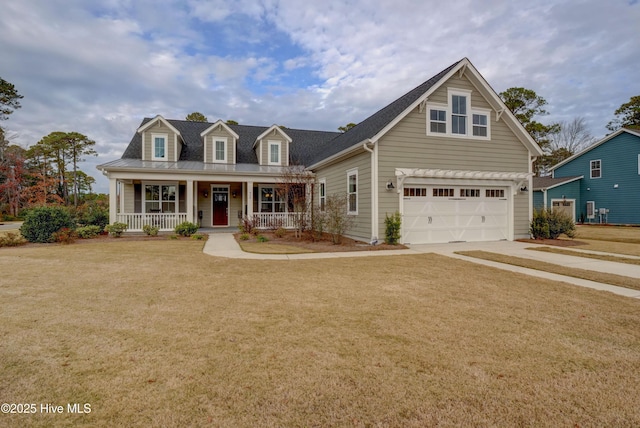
{"points": [[234, 194], [390, 185], [205, 194], [524, 189]]}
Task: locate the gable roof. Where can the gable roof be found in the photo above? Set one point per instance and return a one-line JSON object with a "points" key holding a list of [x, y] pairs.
{"points": [[158, 118], [221, 124], [273, 128], [596, 144], [376, 125], [546, 183]]}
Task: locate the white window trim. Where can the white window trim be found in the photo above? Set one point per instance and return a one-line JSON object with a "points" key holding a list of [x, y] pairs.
{"points": [[484, 112], [451, 92], [593, 210], [591, 168], [322, 183], [350, 173], [166, 147], [274, 189], [638, 164], [274, 143], [214, 141], [436, 106], [161, 183]]}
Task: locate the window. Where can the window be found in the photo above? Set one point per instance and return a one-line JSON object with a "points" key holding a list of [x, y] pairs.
{"points": [[458, 114], [638, 164], [469, 193], [160, 198], [415, 191], [158, 147], [352, 192], [323, 194], [596, 168], [439, 193], [494, 193], [220, 150], [274, 152], [480, 125], [271, 201], [438, 121]]}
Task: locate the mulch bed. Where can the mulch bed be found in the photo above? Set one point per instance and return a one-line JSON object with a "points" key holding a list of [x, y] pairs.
{"points": [[324, 245]]}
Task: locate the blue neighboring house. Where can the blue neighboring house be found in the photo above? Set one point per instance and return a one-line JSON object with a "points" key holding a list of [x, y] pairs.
{"points": [[601, 184]]}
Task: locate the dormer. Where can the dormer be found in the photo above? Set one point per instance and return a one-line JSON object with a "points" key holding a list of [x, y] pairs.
{"points": [[161, 141], [272, 147], [219, 143]]}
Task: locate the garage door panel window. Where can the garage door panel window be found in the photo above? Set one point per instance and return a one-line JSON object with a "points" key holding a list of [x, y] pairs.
{"points": [[469, 193], [415, 191], [494, 193], [443, 193]]}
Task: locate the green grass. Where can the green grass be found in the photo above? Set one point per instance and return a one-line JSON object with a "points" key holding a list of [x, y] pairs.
{"points": [[155, 333]]}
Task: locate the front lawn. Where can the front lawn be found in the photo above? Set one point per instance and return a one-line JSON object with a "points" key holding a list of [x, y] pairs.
{"points": [[155, 333]]}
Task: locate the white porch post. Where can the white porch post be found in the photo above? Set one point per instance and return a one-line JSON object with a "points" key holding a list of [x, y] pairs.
{"points": [[190, 201], [249, 199], [113, 200]]}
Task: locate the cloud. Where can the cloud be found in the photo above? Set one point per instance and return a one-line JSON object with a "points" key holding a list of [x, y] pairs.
{"points": [[100, 67]]}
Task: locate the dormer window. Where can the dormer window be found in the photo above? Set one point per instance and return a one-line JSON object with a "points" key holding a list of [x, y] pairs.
{"points": [[159, 147], [274, 152], [220, 149]]}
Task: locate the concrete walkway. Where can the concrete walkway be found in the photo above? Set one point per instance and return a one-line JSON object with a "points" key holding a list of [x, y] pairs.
{"points": [[224, 245]]}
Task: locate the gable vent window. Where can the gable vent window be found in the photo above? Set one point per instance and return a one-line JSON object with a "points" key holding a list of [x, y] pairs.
{"points": [[457, 118]]}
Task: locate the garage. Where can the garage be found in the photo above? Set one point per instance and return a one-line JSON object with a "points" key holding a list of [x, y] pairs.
{"points": [[453, 213]]}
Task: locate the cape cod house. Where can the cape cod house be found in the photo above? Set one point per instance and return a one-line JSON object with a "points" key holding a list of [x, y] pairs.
{"points": [[448, 155]]}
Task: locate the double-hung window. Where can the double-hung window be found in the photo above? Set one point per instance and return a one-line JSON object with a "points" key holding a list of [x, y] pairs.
{"points": [[220, 150], [352, 192], [479, 125], [158, 147], [596, 168], [322, 193], [459, 114], [274, 152], [438, 120], [160, 198]]}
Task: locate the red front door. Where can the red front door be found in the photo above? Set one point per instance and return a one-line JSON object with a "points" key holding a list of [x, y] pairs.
{"points": [[220, 207]]}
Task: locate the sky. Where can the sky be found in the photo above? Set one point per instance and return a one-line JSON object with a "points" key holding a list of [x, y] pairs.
{"points": [[100, 67]]}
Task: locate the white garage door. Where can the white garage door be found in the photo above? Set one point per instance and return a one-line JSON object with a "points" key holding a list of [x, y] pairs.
{"points": [[454, 213]]}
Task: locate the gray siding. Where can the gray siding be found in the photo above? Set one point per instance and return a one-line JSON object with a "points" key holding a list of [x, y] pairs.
{"points": [[129, 198], [160, 128], [336, 178], [263, 146], [408, 146], [209, 141]]}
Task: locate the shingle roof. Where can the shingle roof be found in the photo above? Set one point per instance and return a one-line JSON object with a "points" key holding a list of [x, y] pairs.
{"points": [[308, 147], [542, 183]]}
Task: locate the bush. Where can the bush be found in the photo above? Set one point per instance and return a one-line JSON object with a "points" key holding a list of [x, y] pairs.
{"points": [[338, 221], [150, 230], [65, 236], [550, 224], [11, 239], [392, 228], [248, 225], [262, 238], [116, 229], [197, 236], [88, 232], [244, 237], [173, 237], [280, 232], [186, 228], [41, 223]]}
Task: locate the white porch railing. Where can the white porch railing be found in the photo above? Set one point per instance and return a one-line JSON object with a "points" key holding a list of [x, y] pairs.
{"points": [[135, 221], [276, 220]]}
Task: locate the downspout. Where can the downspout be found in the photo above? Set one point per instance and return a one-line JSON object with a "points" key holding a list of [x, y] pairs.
{"points": [[374, 188]]}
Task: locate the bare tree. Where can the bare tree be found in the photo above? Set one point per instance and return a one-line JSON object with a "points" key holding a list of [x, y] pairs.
{"points": [[295, 185], [572, 136]]}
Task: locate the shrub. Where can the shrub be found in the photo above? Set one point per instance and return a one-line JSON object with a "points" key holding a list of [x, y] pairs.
{"points": [[186, 228], [197, 236], [248, 224], [550, 224], [150, 230], [65, 236], [116, 229], [244, 237], [280, 232], [392, 228], [41, 223], [173, 237], [262, 238], [88, 232], [11, 239], [338, 222]]}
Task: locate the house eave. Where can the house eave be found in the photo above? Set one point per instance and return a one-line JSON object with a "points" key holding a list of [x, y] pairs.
{"points": [[339, 155]]}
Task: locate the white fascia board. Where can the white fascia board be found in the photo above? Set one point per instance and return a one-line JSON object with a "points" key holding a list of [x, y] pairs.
{"points": [[266, 133], [153, 121], [594, 145], [561, 183], [219, 123]]}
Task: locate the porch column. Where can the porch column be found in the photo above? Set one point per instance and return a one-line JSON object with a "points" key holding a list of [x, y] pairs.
{"points": [[113, 200], [190, 201], [249, 199]]}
